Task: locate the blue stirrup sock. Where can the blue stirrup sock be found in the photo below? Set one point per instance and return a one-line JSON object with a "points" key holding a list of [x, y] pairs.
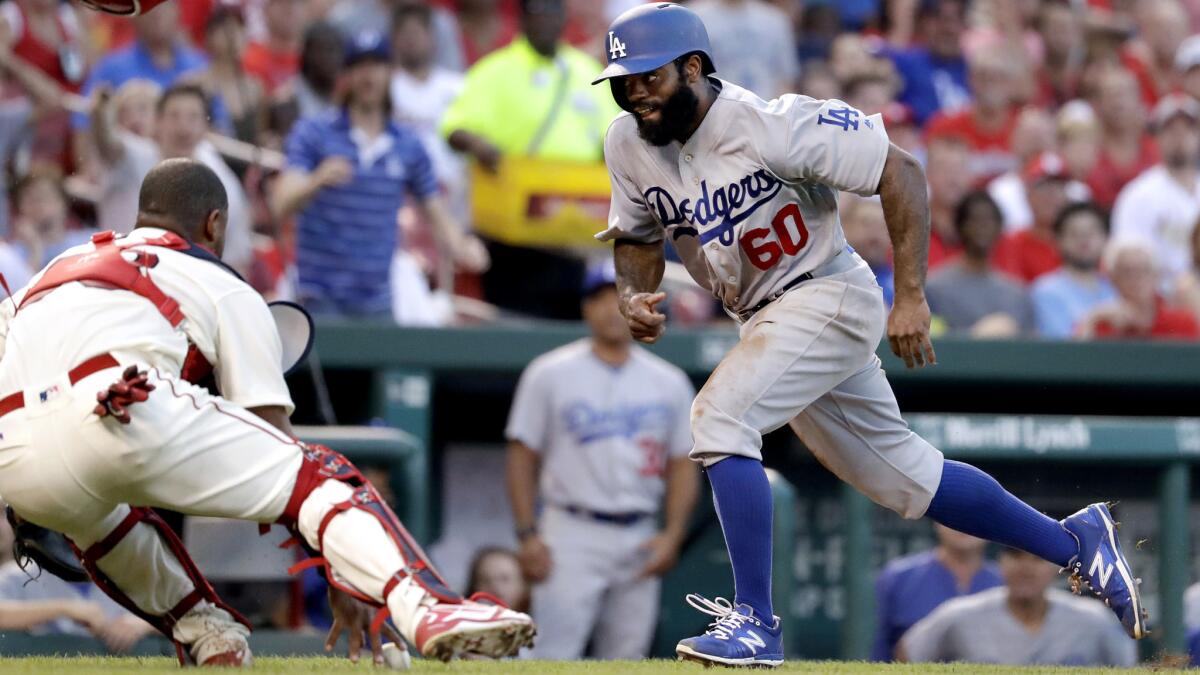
{"points": [[742, 496], [971, 501]]}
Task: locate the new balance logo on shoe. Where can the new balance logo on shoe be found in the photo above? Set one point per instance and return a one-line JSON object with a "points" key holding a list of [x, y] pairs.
{"points": [[1099, 568], [753, 641]]}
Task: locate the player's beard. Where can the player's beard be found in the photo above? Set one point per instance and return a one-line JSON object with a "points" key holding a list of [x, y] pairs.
{"points": [[677, 116]]}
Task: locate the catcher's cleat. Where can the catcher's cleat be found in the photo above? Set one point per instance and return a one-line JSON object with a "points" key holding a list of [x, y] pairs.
{"points": [[1101, 565], [46, 548], [445, 631], [226, 651], [217, 638], [736, 638]]}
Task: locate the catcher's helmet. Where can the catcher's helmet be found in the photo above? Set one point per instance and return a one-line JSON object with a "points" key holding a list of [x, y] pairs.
{"points": [[648, 37]]}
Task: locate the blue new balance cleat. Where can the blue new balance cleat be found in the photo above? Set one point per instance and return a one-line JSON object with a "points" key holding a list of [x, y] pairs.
{"points": [[1102, 566], [736, 638]]}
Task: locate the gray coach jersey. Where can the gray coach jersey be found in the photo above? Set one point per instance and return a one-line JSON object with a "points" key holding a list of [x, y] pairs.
{"points": [[604, 433], [979, 628], [750, 201]]}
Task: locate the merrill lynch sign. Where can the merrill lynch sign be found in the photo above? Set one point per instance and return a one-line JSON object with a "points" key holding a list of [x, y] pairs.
{"points": [[1003, 433]]}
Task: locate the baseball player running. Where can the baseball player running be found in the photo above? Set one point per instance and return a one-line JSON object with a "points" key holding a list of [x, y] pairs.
{"points": [[118, 315], [746, 191]]}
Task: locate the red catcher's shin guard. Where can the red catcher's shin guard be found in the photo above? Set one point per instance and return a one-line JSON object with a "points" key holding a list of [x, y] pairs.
{"points": [[322, 464], [202, 590]]}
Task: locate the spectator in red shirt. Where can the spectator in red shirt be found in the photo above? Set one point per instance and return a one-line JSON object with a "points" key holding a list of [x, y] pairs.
{"points": [[1161, 25], [987, 123], [1140, 312], [1061, 28], [949, 182], [1032, 136], [277, 59], [1029, 253], [1126, 149], [47, 35]]}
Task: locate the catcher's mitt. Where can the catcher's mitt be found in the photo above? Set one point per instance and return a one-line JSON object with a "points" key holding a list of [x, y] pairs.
{"points": [[47, 548]]}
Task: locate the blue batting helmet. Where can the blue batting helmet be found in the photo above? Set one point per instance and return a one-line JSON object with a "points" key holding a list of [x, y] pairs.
{"points": [[648, 37]]}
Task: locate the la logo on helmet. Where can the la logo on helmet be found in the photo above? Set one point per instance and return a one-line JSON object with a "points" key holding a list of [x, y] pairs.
{"points": [[616, 48]]}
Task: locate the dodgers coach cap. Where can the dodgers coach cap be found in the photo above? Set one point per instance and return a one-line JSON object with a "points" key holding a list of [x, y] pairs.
{"points": [[600, 274], [650, 36]]}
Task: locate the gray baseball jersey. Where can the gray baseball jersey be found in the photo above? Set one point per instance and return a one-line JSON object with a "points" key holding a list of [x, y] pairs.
{"points": [[604, 433], [750, 203], [980, 629], [750, 200]]}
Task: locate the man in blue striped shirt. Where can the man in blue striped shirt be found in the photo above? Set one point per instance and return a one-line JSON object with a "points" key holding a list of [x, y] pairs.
{"points": [[347, 176]]}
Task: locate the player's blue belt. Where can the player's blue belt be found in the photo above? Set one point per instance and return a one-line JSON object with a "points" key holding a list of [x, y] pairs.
{"points": [[629, 518], [841, 261]]}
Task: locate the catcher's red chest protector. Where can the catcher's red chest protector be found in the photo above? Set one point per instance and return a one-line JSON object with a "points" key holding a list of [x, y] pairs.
{"points": [[115, 265]]}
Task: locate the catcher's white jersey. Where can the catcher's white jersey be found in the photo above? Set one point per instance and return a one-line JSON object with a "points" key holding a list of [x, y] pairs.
{"points": [[226, 319], [750, 200]]}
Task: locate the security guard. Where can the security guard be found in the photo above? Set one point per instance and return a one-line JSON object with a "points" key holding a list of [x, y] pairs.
{"points": [[532, 98]]}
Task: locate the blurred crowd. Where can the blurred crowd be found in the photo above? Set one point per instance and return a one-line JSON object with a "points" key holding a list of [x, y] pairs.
{"points": [[1061, 140]]}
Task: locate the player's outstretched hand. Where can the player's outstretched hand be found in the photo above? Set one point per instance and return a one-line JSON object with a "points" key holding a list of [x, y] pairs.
{"points": [[908, 332], [353, 617], [646, 323]]}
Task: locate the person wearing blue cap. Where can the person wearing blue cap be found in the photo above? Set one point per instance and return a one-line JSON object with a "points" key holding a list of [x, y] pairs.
{"points": [[348, 173], [599, 431]]}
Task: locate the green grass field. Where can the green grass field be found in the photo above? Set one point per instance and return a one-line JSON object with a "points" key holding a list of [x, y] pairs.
{"points": [[102, 665]]}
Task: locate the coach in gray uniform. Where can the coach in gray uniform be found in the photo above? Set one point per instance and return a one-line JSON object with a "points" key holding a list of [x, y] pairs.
{"points": [[1024, 622], [599, 431]]}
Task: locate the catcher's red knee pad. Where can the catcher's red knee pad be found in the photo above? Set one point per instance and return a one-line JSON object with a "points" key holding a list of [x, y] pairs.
{"points": [[322, 464], [122, 7], [201, 590]]}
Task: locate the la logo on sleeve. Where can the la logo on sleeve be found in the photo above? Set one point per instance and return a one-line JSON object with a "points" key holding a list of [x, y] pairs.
{"points": [[616, 48]]}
